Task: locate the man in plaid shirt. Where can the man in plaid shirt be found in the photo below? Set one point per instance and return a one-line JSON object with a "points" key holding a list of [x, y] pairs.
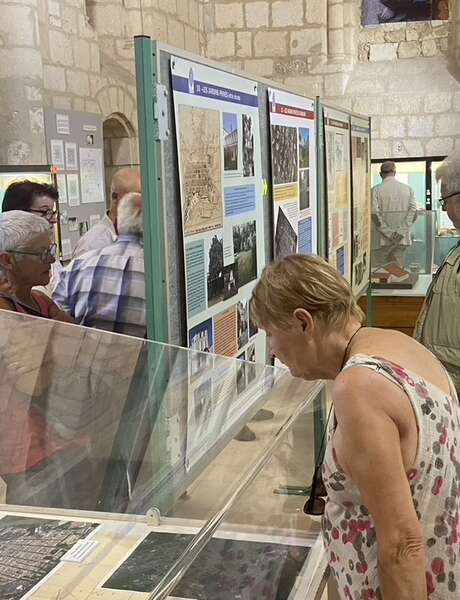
{"points": [[105, 288]]}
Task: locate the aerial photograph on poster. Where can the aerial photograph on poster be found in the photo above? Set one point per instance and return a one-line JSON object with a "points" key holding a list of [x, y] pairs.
{"points": [[284, 154], [285, 236], [248, 146], [201, 169]]}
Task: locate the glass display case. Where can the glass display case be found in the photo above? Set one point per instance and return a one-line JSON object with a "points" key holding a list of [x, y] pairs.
{"points": [[402, 251], [123, 474]]}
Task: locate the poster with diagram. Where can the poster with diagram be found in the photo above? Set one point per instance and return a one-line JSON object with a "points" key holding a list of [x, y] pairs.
{"points": [[338, 203], [293, 159], [217, 129], [361, 202]]}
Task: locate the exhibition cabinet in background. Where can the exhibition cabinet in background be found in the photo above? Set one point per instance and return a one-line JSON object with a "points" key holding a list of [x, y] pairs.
{"points": [[120, 470]]}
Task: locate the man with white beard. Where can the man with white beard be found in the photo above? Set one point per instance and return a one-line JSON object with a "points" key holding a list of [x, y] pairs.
{"points": [[438, 325]]}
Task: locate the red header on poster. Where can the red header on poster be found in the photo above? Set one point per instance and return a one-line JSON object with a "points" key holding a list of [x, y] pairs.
{"points": [[291, 111]]}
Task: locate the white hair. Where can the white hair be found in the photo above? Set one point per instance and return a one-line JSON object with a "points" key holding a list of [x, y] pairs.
{"points": [[130, 218], [449, 172], [19, 228]]}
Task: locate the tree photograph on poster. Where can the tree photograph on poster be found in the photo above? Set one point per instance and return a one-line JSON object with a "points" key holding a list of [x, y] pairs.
{"points": [[376, 12]]}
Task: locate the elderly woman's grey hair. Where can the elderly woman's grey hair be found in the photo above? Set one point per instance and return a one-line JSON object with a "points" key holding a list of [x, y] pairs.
{"points": [[130, 218], [449, 173], [18, 229]]}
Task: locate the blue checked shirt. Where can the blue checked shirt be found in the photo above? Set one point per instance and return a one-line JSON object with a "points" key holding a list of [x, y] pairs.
{"points": [[105, 288]]}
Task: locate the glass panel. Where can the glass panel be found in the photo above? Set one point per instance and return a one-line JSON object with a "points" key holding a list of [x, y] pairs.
{"points": [[264, 546], [412, 173], [402, 249], [94, 421]]}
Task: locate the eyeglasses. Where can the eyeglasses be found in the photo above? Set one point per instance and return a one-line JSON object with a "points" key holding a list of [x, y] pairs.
{"points": [[443, 201], [47, 214], [44, 255]]}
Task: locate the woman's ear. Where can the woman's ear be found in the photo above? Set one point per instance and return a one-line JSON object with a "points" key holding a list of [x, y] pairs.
{"points": [[304, 319], [6, 261]]}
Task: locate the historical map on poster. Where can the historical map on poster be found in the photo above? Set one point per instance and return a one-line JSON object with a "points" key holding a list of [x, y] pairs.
{"points": [[293, 158], [338, 205], [31, 548], [226, 569], [221, 187], [361, 202]]}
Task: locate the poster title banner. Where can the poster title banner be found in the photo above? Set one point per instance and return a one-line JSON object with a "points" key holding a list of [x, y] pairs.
{"points": [[291, 111], [213, 91]]}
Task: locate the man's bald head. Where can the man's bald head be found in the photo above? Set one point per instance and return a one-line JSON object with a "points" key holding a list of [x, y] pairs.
{"points": [[124, 181]]}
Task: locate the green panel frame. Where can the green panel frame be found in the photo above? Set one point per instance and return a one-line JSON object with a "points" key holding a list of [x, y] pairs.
{"points": [[154, 239]]}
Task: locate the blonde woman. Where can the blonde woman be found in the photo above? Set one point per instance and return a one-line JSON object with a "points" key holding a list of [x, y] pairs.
{"points": [[391, 468]]}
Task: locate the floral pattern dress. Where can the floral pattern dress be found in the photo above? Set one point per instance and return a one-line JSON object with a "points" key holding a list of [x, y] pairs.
{"points": [[348, 528]]}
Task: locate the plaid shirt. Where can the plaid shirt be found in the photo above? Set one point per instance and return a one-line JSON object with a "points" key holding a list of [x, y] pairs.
{"points": [[106, 288]]}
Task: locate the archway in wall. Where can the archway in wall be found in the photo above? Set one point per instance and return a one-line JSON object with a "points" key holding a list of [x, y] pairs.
{"points": [[120, 147]]}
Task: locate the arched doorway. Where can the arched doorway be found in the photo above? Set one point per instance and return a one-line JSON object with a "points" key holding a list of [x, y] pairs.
{"points": [[120, 147]]}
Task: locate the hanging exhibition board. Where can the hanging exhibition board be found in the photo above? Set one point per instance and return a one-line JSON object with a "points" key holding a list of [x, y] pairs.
{"points": [[221, 189], [338, 205], [361, 202], [293, 159]]}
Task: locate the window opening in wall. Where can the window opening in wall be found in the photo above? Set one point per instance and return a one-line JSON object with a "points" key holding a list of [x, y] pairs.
{"points": [[377, 12]]}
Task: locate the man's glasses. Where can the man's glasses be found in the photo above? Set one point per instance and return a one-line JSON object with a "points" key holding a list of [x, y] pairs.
{"points": [[48, 214], [443, 201], [44, 255]]}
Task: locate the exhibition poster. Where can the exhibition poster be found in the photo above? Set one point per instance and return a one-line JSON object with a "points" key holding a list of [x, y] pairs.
{"points": [[361, 201], [293, 159], [218, 143], [338, 205]]}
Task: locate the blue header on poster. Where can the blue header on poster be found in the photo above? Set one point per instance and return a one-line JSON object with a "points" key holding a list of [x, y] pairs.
{"points": [[358, 129], [210, 90]]}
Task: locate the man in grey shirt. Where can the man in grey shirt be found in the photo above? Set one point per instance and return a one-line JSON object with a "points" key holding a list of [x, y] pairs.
{"points": [[391, 11], [102, 234], [394, 210]]}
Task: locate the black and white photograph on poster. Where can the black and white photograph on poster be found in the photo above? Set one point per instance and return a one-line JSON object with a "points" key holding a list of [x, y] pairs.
{"points": [[242, 323], [271, 568], [30, 548], [241, 373], [339, 151], [248, 146], [285, 236], [304, 189], [230, 281], [245, 250], [201, 169], [202, 408], [284, 154], [304, 148], [230, 133], [378, 12], [251, 370], [215, 269], [253, 329], [201, 340]]}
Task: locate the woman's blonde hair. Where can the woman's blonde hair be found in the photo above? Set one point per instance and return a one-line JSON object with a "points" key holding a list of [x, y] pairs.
{"points": [[307, 282]]}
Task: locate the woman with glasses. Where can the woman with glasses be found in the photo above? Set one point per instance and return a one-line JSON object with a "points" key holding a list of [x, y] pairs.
{"points": [[26, 257], [391, 468], [39, 199]]}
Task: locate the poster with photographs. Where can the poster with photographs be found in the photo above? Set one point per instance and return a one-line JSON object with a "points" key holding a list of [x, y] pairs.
{"points": [[378, 12], [361, 202], [293, 158], [221, 187], [338, 178]]}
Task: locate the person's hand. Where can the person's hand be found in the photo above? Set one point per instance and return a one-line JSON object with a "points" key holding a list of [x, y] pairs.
{"points": [[396, 237]]}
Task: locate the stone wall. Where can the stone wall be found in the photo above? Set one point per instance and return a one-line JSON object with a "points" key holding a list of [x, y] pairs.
{"points": [[396, 73], [77, 55]]}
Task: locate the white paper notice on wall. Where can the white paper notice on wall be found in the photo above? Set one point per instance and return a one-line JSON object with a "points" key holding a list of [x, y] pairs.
{"points": [[63, 124], [92, 175], [73, 189], [71, 156], [57, 153], [66, 248], [62, 188]]}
